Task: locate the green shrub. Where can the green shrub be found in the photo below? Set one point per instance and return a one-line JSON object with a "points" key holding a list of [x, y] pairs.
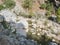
{"points": [[48, 14], [9, 3], [58, 11], [27, 4], [58, 14], [58, 19], [49, 7], [43, 6], [1, 7]]}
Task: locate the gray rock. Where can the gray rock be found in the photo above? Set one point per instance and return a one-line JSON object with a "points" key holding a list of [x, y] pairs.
{"points": [[21, 27], [5, 40], [1, 18], [52, 43]]}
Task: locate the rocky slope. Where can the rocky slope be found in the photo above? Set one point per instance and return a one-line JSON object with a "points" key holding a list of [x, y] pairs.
{"points": [[17, 29], [22, 26]]}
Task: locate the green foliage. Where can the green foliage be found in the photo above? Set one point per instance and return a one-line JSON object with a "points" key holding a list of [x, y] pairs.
{"points": [[49, 7], [58, 11], [58, 19], [48, 14], [27, 4], [1, 7], [58, 14], [9, 3], [43, 6]]}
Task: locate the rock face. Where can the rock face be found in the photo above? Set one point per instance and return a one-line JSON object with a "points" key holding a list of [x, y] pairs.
{"points": [[27, 31], [9, 38], [5, 40], [52, 43], [1, 18], [8, 15], [16, 34], [20, 26]]}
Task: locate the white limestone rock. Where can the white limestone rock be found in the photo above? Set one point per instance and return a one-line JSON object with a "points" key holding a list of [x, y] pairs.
{"points": [[8, 15]]}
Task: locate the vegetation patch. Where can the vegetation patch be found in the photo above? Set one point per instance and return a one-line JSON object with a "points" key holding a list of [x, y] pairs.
{"points": [[27, 4], [58, 15], [2, 7], [7, 4]]}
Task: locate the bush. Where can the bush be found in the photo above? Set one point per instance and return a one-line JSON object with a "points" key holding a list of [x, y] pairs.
{"points": [[1, 7], [49, 7], [48, 14], [27, 4], [43, 6], [58, 11], [58, 14], [9, 3]]}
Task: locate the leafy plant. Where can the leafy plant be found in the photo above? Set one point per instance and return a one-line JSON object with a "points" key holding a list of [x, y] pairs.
{"points": [[58, 11], [43, 6], [9, 3], [27, 4], [58, 14], [49, 7], [48, 14], [1, 7]]}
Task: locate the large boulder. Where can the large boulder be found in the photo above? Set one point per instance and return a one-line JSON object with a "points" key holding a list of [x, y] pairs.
{"points": [[5, 40], [22, 23], [21, 27], [8, 15]]}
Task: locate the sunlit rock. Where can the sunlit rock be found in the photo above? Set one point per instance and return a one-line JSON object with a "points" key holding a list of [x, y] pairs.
{"points": [[8, 15]]}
